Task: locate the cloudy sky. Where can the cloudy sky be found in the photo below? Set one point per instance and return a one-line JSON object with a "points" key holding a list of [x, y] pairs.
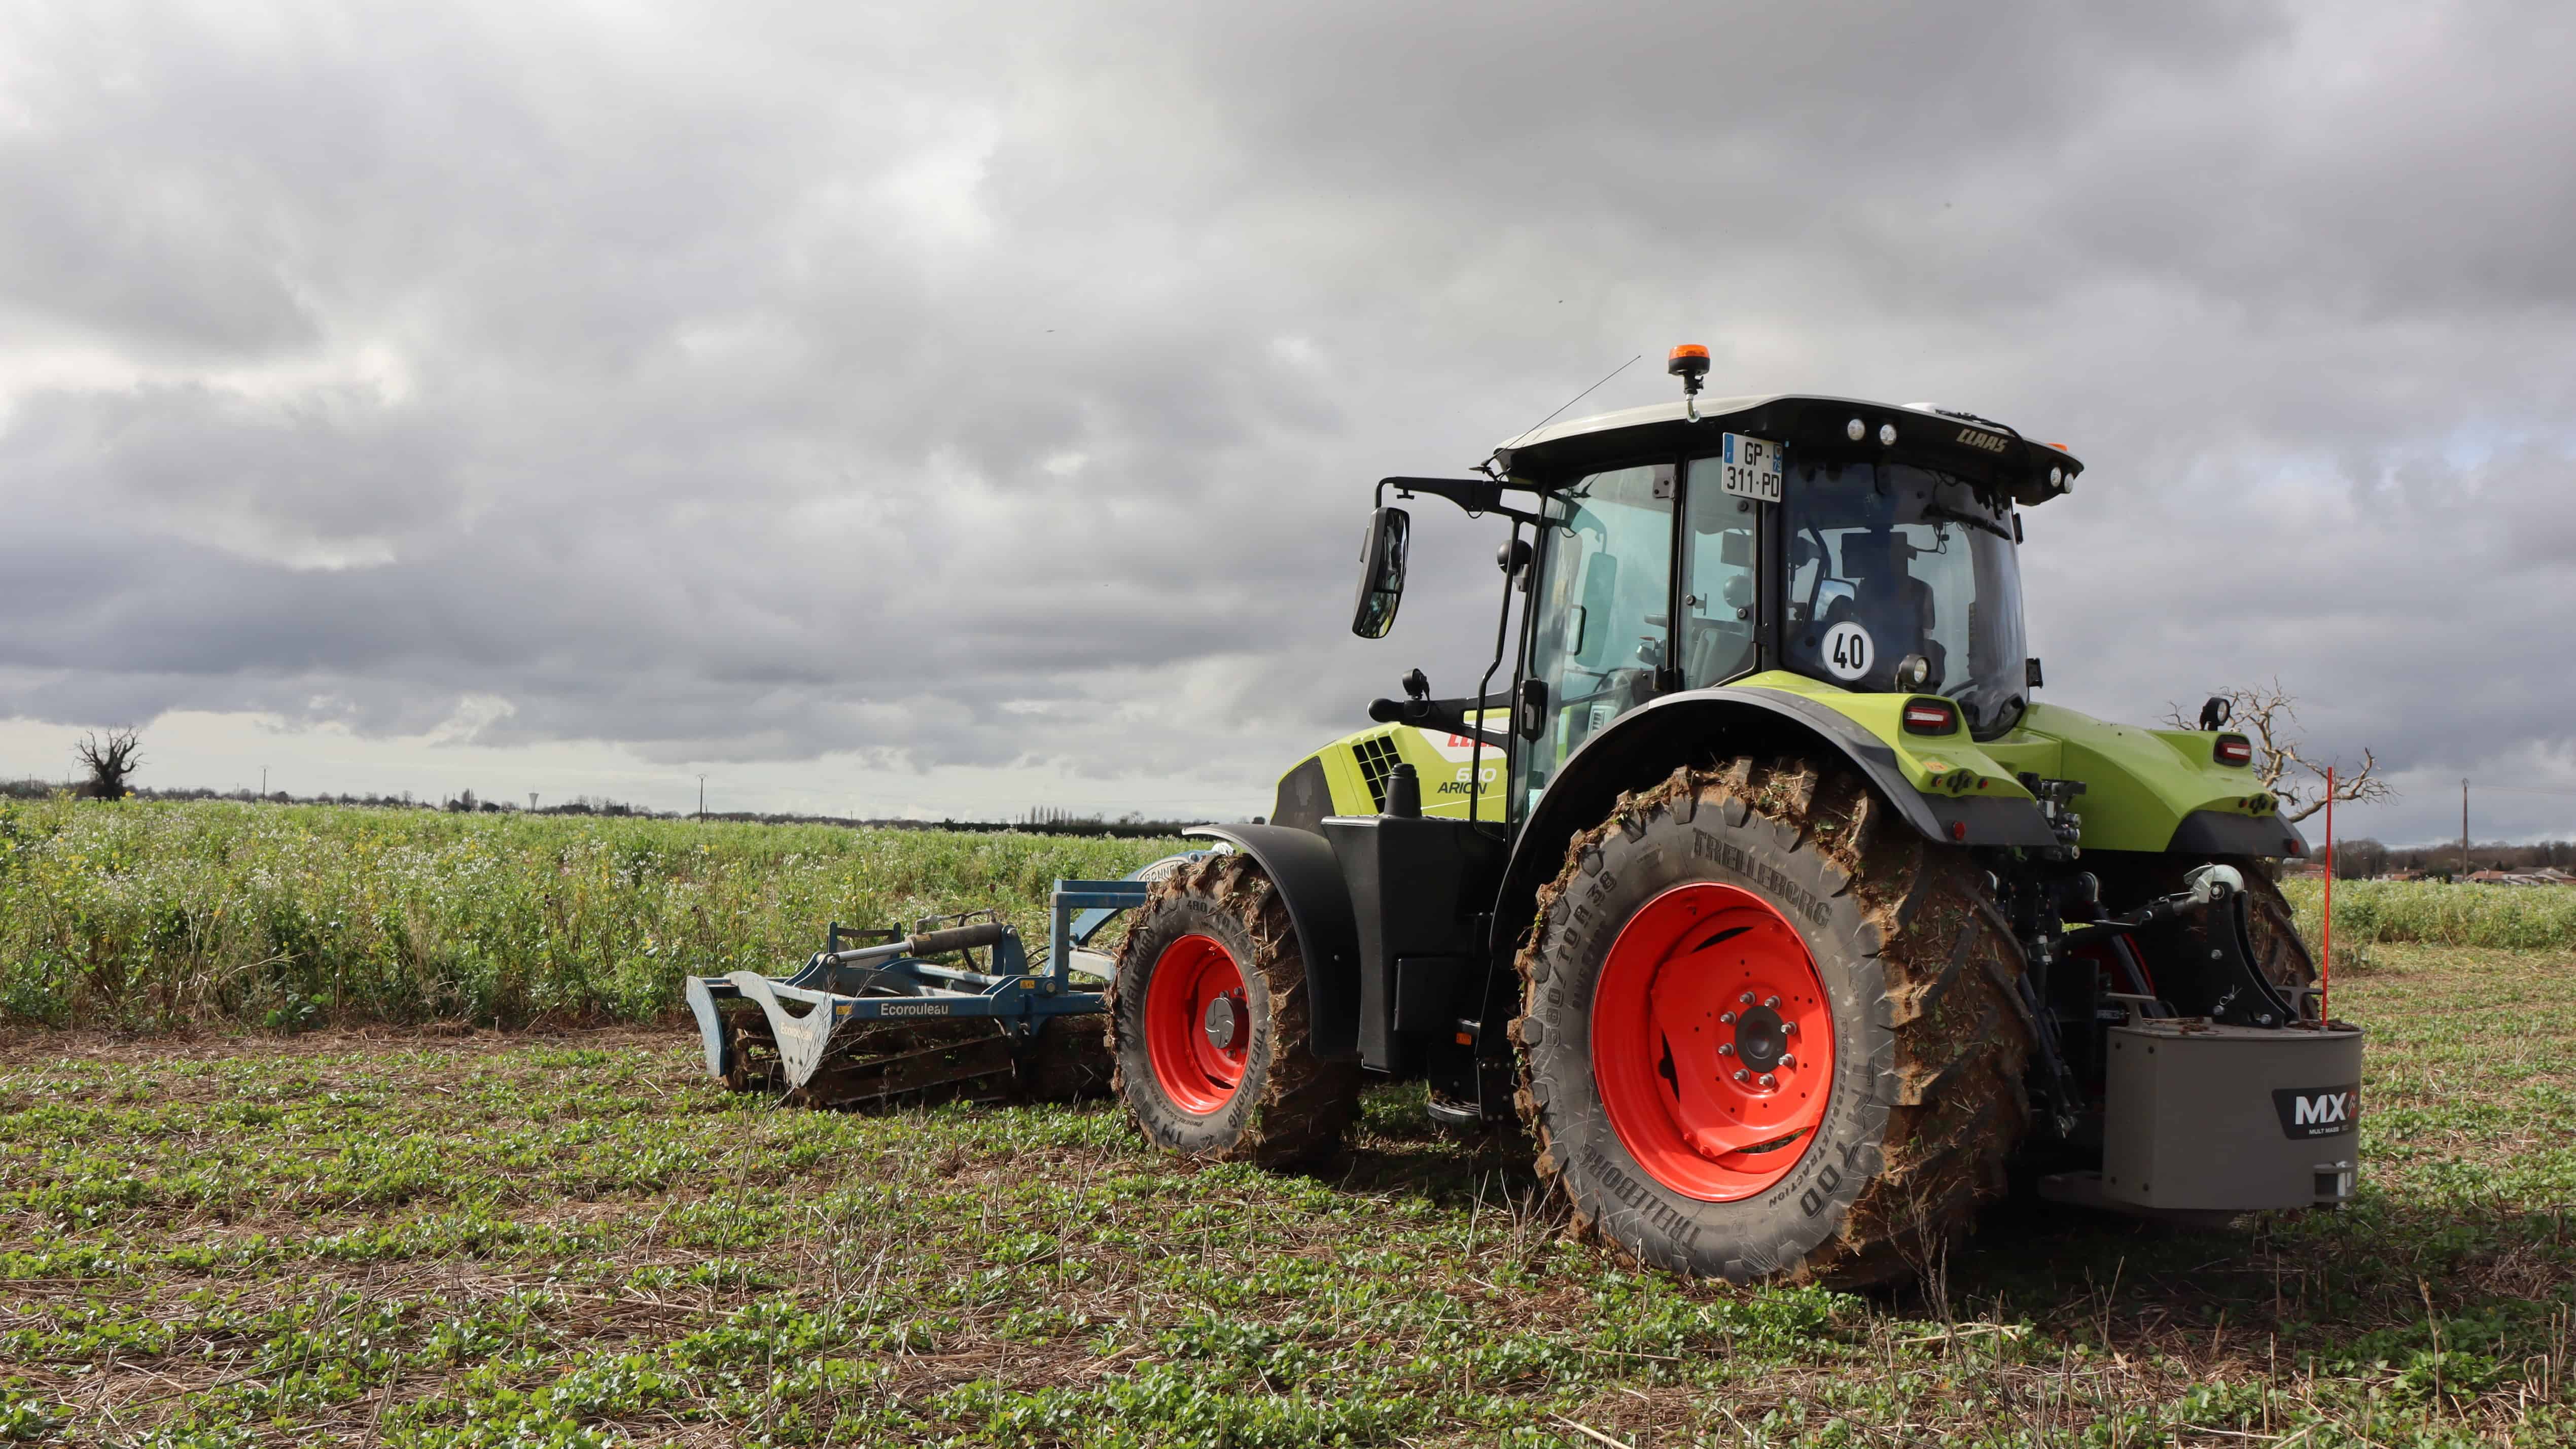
{"points": [[968, 407]]}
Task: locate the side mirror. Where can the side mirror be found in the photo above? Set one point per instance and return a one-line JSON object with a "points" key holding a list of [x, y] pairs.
{"points": [[1381, 572]]}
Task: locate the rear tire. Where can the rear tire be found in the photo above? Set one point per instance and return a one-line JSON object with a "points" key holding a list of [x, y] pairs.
{"points": [[1212, 952], [1797, 886]]}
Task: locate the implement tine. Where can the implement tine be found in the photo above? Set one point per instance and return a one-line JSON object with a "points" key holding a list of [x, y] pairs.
{"points": [[853, 1075]]}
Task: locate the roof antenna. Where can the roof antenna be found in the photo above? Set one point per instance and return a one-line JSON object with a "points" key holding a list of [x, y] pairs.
{"points": [[1689, 363], [1487, 467]]}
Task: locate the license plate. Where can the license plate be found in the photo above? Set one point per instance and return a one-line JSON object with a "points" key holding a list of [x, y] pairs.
{"points": [[1749, 467]]}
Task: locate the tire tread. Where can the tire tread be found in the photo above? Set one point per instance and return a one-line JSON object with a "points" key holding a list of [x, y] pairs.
{"points": [[1956, 1104], [1306, 1102]]}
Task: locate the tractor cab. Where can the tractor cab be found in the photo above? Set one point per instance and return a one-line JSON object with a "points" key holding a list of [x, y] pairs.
{"points": [[1865, 547]]}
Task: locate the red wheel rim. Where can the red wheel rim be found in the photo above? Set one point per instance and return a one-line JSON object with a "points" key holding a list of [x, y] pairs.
{"points": [[1198, 1027], [1706, 982]]}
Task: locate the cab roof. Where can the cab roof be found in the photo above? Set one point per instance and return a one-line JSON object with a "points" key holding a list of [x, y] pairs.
{"points": [[1812, 427]]}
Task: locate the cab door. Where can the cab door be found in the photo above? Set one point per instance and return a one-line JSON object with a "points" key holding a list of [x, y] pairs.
{"points": [[1601, 639], [1715, 640]]}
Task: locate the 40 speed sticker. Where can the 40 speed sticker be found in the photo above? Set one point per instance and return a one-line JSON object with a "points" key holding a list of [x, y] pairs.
{"points": [[1848, 651]]}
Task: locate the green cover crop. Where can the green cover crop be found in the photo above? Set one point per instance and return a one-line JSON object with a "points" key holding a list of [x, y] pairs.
{"points": [[153, 914]]}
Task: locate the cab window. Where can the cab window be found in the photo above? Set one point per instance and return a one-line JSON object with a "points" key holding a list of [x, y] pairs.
{"points": [[1890, 562], [1603, 599]]}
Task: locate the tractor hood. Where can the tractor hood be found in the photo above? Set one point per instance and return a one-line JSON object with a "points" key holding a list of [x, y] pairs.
{"points": [[2144, 789], [1816, 428], [2150, 789]]}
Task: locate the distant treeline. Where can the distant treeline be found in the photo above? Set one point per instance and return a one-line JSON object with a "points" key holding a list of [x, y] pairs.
{"points": [[1038, 821], [2363, 858]]}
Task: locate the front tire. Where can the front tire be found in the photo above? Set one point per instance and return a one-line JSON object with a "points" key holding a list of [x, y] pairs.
{"points": [[2279, 951], [1882, 1048], [1209, 1023]]}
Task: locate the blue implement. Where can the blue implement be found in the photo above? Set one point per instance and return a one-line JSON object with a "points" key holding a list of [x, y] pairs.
{"points": [[878, 1015]]}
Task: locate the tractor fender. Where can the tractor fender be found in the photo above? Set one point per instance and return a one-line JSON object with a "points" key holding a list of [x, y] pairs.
{"points": [[1302, 867], [1698, 726], [2208, 832]]}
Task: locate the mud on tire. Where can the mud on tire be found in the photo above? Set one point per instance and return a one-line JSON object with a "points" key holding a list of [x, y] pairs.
{"points": [[1926, 1102], [1288, 1106]]}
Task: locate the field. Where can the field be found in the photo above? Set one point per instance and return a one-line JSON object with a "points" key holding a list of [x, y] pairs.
{"points": [[436, 1235]]}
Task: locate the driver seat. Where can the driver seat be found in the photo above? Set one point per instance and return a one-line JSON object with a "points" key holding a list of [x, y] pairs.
{"points": [[1916, 610], [1902, 605]]}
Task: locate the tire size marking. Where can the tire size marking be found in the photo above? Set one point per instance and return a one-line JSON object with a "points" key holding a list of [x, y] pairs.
{"points": [[1578, 928], [1815, 1199], [1812, 1201], [1633, 1194], [1737, 859]]}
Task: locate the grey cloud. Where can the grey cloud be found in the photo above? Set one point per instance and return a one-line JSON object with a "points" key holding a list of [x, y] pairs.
{"points": [[1000, 383]]}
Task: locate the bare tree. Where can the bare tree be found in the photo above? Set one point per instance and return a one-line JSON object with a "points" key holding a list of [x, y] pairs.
{"points": [[2270, 717], [110, 762]]}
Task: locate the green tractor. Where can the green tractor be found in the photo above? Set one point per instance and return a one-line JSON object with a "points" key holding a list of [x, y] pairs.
{"points": [[1761, 891]]}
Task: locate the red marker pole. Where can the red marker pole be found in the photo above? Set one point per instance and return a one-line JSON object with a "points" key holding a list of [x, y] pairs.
{"points": [[2325, 974]]}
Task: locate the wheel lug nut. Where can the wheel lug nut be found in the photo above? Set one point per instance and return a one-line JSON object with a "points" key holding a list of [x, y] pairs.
{"points": [[1788, 1028], [1725, 1049], [1788, 1059], [1726, 1018], [1746, 998], [1772, 1002], [1768, 1080], [1739, 1074]]}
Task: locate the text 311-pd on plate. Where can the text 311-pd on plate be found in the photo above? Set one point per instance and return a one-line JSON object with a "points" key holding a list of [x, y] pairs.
{"points": [[1749, 467]]}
